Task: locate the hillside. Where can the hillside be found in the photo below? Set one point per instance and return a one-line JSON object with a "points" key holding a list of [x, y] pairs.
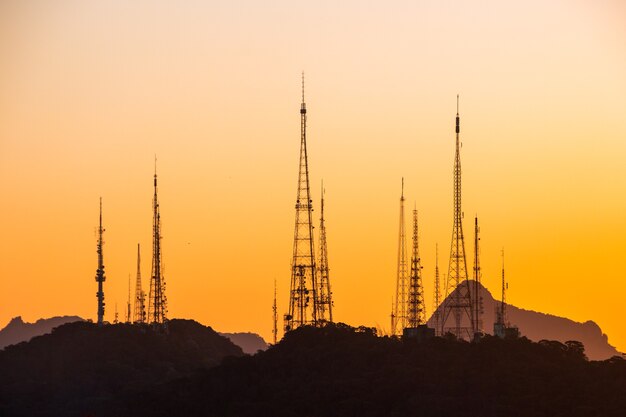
{"points": [[538, 326], [19, 331], [338, 371], [81, 367]]}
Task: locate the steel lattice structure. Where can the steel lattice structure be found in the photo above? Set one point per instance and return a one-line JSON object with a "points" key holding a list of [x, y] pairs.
{"points": [[437, 295], [399, 313], [459, 305], [157, 302], [477, 310], [324, 299], [303, 287], [139, 312], [416, 307], [100, 277]]}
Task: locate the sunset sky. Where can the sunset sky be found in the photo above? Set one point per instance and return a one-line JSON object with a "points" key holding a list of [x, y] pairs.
{"points": [[91, 91]]}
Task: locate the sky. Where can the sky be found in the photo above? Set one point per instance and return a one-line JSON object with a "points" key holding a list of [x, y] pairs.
{"points": [[90, 92]]}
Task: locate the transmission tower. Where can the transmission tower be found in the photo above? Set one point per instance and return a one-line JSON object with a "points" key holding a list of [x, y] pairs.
{"points": [[437, 297], [460, 304], [399, 314], [116, 316], [139, 312], [417, 308], [128, 302], [157, 302], [302, 294], [100, 278], [324, 299], [477, 298], [275, 316], [501, 322]]}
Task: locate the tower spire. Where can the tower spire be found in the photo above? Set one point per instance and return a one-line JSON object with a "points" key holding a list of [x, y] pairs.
{"points": [[459, 301], [275, 316], [501, 322], [399, 315], [325, 302], [437, 295], [100, 278], [128, 316], [477, 297], [417, 308], [157, 302], [303, 288], [139, 312]]}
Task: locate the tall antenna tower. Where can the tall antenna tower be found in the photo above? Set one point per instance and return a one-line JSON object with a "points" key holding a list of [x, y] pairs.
{"points": [[324, 299], [157, 302], [275, 315], [302, 295], [100, 278], [501, 322], [116, 316], [399, 314], [477, 298], [437, 297], [128, 302], [139, 313], [460, 305], [417, 308]]}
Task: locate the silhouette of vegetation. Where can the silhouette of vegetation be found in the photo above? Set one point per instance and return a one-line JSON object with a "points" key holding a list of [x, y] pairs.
{"points": [[332, 371], [81, 368]]}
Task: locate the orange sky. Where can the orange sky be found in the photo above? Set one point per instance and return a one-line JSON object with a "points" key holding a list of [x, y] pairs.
{"points": [[90, 91]]}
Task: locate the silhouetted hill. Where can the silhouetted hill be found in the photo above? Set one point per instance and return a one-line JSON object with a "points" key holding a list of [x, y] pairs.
{"points": [[80, 367], [250, 343], [338, 371], [539, 326], [18, 331]]}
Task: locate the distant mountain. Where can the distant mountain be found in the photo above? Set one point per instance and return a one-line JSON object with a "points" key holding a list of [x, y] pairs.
{"points": [[538, 326], [82, 367], [251, 343], [18, 331]]}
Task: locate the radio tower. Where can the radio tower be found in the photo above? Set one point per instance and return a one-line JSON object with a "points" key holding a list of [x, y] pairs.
{"points": [[325, 301], [501, 322], [477, 298], [100, 278], [459, 304], [417, 309], [128, 302], [139, 313], [437, 297], [302, 293], [275, 315], [399, 314], [157, 302]]}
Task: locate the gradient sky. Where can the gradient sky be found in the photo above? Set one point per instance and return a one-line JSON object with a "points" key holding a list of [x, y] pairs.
{"points": [[91, 91]]}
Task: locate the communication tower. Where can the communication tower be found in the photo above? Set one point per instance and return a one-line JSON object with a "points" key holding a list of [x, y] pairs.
{"points": [[157, 302], [477, 298], [437, 295], [139, 312], [275, 316], [324, 299], [459, 305], [399, 314], [417, 310], [100, 278], [303, 287]]}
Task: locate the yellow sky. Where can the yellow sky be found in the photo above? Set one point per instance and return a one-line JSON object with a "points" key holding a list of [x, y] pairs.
{"points": [[90, 91]]}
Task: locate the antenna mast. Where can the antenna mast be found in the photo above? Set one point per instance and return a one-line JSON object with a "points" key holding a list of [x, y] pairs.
{"points": [[139, 313], [303, 301], [459, 304], [100, 278], [500, 325], [478, 299], [157, 305], [128, 302], [325, 302], [275, 315], [417, 309], [399, 315], [437, 297]]}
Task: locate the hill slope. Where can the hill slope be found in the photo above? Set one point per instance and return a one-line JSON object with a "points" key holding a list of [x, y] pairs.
{"points": [[338, 371], [538, 326], [18, 331], [81, 367]]}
